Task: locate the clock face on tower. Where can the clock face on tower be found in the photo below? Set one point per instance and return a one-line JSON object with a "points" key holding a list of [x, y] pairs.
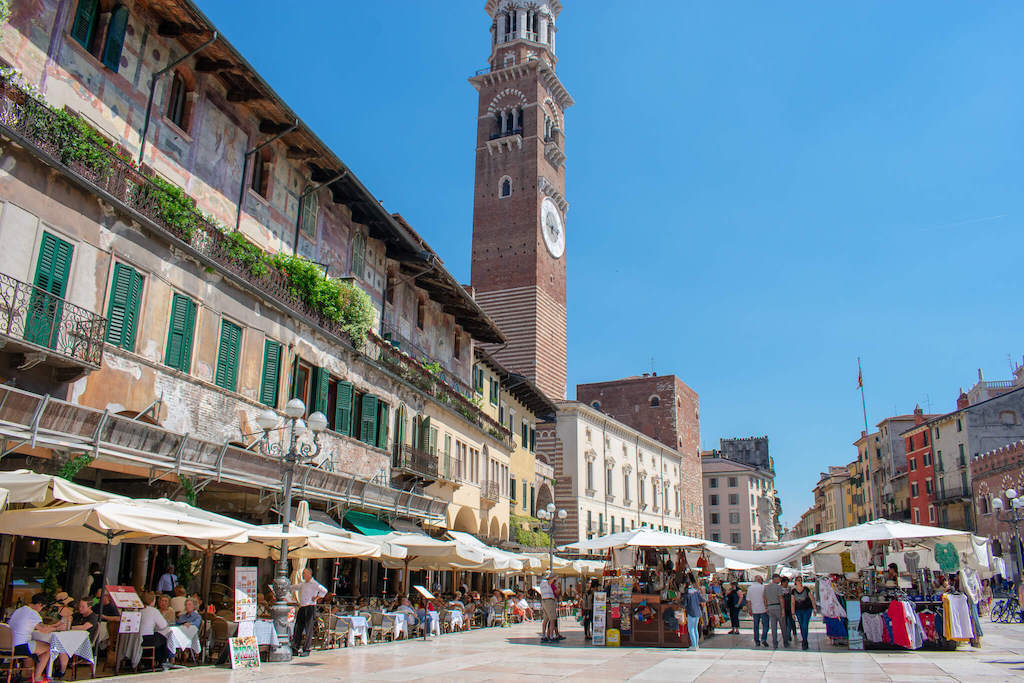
{"points": [[552, 228]]}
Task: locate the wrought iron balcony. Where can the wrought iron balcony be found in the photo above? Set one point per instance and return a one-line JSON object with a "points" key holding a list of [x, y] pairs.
{"points": [[955, 493], [46, 328], [489, 490], [415, 461]]}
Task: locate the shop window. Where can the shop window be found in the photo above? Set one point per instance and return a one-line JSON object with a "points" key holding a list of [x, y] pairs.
{"points": [[123, 311], [309, 208], [180, 332], [228, 352], [114, 44], [271, 377]]}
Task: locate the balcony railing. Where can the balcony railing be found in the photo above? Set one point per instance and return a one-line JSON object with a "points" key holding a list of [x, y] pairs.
{"points": [[31, 122], [416, 461], [412, 371], [489, 490], [31, 317], [952, 494], [393, 336]]}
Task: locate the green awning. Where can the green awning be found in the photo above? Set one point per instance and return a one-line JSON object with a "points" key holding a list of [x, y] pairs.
{"points": [[367, 524]]}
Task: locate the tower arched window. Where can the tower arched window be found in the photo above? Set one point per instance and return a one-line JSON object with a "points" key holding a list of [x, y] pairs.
{"points": [[655, 401], [506, 187]]}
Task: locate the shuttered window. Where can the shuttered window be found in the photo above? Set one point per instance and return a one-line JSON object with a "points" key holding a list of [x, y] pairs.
{"points": [[343, 408], [533, 439], [271, 378], [358, 254], [227, 355], [115, 38], [321, 385], [180, 331], [526, 435], [512, 489], [123, 312], [42, 322], [494, 391], [382, 424], [85, 22], [368, 410]]}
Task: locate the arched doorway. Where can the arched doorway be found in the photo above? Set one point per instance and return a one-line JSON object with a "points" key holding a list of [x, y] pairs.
{"points": [[504, 532], [545, 495], [495, 528], [465, 520]]}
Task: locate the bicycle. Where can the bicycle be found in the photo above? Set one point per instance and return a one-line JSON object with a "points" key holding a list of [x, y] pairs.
{"points": [[1007, 610]]}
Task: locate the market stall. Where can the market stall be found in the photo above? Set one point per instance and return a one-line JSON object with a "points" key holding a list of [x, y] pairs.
{"points": [[893, 585]]}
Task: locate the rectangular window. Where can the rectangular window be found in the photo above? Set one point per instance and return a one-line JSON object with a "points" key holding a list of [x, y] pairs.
{"points": [[421, 313], [302, 375], [732, 482], [358, 254], [85, 22], [457, 345], [590, 475], [228, 352], [625, 486], [478, 379], [590, 520], [734, 518], [321, 391], [926, 459], [734, 499], [382, 427], [600, 522], [713, 483], [45, 309], [917, 516], [512, 489], [715, 536], [913, 464], [713, 500], [271, 378], [931, 514], [180, 332], [609, 489], [533, 499], [260, 173], [114, 44], [123, 312], [913, 489], [368, 419], [493, 387], [533, 439], [959, 425], [714, 518], [936, 432], [734, 537], [928, 485], [526, 435], [343, 404]]}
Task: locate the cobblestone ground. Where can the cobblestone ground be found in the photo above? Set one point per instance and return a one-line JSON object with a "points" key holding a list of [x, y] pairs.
{"points": [[515, 654]]}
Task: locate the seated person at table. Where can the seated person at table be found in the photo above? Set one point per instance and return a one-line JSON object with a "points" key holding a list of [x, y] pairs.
{"points": [[151, 621], [178, 601], [84, 620], [405, 607], [23, 623], [163, 603], [457, 602], [190, 615], [262, 607], [108, 610], [522, 607]]}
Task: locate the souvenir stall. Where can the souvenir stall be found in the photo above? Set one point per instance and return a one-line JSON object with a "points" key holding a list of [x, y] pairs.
{"points": [[893, 585], [643, 585]]}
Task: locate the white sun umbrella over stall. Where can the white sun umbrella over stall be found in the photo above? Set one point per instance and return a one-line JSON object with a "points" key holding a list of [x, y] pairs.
{"points": [[640, 538], [498, 560]]}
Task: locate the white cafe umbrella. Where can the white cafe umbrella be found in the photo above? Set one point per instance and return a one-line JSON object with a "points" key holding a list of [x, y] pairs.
{"points": [[641, 538], [32, 488]]}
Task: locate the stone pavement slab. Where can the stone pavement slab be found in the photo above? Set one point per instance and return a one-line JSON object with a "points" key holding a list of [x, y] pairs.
{"points": [[516, 655]]}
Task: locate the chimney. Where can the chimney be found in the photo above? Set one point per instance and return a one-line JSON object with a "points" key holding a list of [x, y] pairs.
{"points": [[962, 401], [918, 415], [981, 378]]}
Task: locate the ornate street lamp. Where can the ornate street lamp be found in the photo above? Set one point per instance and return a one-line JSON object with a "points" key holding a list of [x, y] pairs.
{"points": [[551, 516], [297, 452], [1014, 515]]}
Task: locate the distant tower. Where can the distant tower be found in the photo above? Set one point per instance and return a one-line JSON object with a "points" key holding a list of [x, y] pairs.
{"points": [[519, 204]]}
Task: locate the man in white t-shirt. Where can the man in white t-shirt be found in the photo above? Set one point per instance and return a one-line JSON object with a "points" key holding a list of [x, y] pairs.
{"points": [[23, 623], [755, 598], [549, 633]]}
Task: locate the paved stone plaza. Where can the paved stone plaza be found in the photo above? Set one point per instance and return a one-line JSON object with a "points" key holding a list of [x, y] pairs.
{"points": [[516, 654]]}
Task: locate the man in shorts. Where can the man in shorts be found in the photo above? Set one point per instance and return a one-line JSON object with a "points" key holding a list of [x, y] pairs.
{"points": [[23, 622]]}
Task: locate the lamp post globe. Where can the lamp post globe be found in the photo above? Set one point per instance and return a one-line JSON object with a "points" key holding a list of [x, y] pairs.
{"points": [[997, 504], [295, 408], [1011, 493], [317, 422], [268, 420], [562, 514]]}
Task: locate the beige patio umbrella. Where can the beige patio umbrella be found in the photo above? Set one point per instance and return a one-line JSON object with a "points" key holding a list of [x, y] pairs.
{"points": [[41, 490], [301, 520], [264, 541]]}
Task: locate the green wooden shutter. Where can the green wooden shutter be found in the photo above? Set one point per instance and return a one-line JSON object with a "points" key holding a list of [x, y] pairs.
{"points": [[432, 441], [382, 424], [343, 409], [42, 322], [180, 331], [123, 312], [227, 355], [423, 437], [85, 22], [513, 488], [399, 428], [368, 430], [271, 373], [321, 382], [115, 38]]}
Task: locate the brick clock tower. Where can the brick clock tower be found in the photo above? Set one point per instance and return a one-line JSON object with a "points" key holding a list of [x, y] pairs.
{"points": [[519, 206]]}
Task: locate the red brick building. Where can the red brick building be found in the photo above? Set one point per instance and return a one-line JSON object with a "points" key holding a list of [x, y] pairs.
{"points": [[920, 470], [663, 408], [991, 474]]}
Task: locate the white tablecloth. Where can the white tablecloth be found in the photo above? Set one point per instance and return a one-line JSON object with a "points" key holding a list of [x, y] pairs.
{"points": [[264, 631], [401, 624], [71, 643], [435, 623], [357, 627], [455, 620], [184, 637]]}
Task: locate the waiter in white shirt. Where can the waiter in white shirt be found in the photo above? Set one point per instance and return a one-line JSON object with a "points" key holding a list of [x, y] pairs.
{"points": [[310, 592]]}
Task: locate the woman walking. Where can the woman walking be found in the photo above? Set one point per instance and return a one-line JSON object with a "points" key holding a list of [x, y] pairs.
{"points": [[802, 604], [734, 603], [694, 598]]}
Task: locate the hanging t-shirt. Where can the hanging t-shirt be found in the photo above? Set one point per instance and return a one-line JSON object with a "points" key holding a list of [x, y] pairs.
{"points": [[860, 554]]}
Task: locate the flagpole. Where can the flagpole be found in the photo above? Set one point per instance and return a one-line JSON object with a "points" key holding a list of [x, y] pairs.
{"points": [[863, 405]]}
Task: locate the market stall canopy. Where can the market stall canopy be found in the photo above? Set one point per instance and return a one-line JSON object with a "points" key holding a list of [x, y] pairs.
{"points": [[641, 538], [425, 552], [116, 521], [883, 530], [368, 525], [498, 558], [560, 563], [732, 558], [41, 490]]}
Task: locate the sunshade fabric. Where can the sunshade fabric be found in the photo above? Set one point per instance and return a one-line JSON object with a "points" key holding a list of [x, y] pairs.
{"points": [[388, 551], [749, 559], [303, 543], [642, 538], [116, 521], [883, 530], [368, 525], [425, 552], [32, 488], [500, 559]]}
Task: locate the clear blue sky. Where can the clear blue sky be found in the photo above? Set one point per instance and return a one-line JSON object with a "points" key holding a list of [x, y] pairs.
{"points": [[760, 192]]}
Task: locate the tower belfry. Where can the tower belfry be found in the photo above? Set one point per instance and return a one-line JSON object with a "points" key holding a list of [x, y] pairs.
{"points": [[519, 204]]}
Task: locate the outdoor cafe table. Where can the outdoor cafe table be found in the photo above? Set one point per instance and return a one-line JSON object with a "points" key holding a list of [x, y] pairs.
{"points": [[263, 629], [183, 637], [70, 643], [357, 626], [401, 623], [455, 619]]}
